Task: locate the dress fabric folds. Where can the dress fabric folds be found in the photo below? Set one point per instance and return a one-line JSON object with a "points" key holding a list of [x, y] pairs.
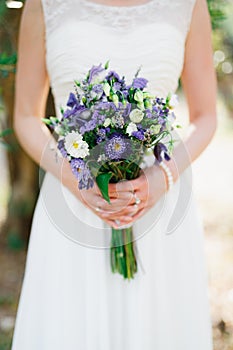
{"points": [[70, 299]]}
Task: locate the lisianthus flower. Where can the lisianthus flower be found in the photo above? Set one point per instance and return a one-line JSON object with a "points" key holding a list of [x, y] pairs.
{"points": [[173, 102], [106, 88], [160, 152], [138, 135], [107, 122], [112, 75], [96, 74], [75, 145], [155, 129], [97, 91], [72, 101], [138, 96], [136, 116], [131, 128], [140, 83]]}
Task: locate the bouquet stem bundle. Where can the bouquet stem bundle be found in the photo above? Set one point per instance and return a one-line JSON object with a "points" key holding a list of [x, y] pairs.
{"points": [[123, 259]]}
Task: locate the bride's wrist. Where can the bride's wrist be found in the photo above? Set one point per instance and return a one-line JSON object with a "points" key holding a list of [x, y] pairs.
{"points": [[170, 172]]}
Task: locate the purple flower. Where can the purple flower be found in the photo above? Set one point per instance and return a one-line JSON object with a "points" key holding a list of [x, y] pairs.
{"points": [[94, 71], [82, 173], [112, 75], [101, 135], [160, 152], [139, 83], [74, 111], [125, 93], [139, 135], [106, 106], [161, 121], [77, 166], [117, 86], [61, 147], [117, 147], [72, 101], [148, 113], [127, 110], [155, 109], [102, 132], [98, 88], [97, 91]]}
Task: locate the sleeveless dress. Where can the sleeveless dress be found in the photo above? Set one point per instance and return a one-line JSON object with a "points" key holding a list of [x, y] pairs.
{"points": [[70, 299]]}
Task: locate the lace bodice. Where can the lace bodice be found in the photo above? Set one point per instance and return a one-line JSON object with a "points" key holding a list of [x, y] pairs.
{"points": [[80, 33]]}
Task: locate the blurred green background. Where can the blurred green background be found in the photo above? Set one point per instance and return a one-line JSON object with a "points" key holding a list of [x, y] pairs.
{"points": [[213, 174]]}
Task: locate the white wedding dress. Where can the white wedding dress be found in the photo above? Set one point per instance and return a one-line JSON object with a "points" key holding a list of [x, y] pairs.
{"points": [[70, 299]]}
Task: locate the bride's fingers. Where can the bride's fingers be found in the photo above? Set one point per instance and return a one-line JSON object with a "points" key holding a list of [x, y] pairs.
{"points": [[126, 214]]}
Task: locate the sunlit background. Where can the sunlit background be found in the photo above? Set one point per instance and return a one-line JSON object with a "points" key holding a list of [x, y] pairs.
{"points": [[212, 184]]}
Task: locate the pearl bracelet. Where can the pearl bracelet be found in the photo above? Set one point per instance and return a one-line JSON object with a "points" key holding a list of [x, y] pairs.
{"points": [[168, 173]]}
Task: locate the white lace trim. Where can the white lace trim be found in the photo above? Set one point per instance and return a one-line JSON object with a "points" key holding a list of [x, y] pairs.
{"points": [[53, 10], [120, 17]]}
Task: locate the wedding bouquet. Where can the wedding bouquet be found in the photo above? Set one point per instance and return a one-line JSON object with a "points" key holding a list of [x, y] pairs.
{"points": [[104, 133]]}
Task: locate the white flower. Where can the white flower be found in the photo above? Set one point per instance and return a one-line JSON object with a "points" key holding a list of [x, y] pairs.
{"points": [[107, 122], [106, 88], [155, 129], [75, 145], [138, 96], [173, 102], [147, 94], [136, 116], [131, 128], [115, 100]]}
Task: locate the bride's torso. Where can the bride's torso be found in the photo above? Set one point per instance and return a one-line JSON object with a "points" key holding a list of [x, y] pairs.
{"points": [[80, 33]]}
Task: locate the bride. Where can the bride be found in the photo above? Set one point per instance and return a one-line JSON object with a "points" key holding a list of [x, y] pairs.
{"points": [[70, 299]]}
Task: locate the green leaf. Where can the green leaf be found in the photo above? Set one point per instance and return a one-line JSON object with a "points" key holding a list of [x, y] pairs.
{"points": [[106, 65], [102, 181], [6, 132], [46, 121]]}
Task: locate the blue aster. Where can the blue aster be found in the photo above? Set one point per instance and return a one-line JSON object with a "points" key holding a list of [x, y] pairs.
{"points": [[116, 147]]}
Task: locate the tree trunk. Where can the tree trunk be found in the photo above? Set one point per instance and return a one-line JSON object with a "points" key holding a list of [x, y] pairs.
{"points": [[24, 173]]}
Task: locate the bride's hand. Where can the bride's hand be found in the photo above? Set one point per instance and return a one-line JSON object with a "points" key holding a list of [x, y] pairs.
{"points": [[119, 208], [134, 198], [148, 189]]}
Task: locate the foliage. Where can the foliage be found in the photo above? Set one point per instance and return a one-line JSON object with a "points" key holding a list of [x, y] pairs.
{"points": [[217, 12], [7, 63], [3, 135]]}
